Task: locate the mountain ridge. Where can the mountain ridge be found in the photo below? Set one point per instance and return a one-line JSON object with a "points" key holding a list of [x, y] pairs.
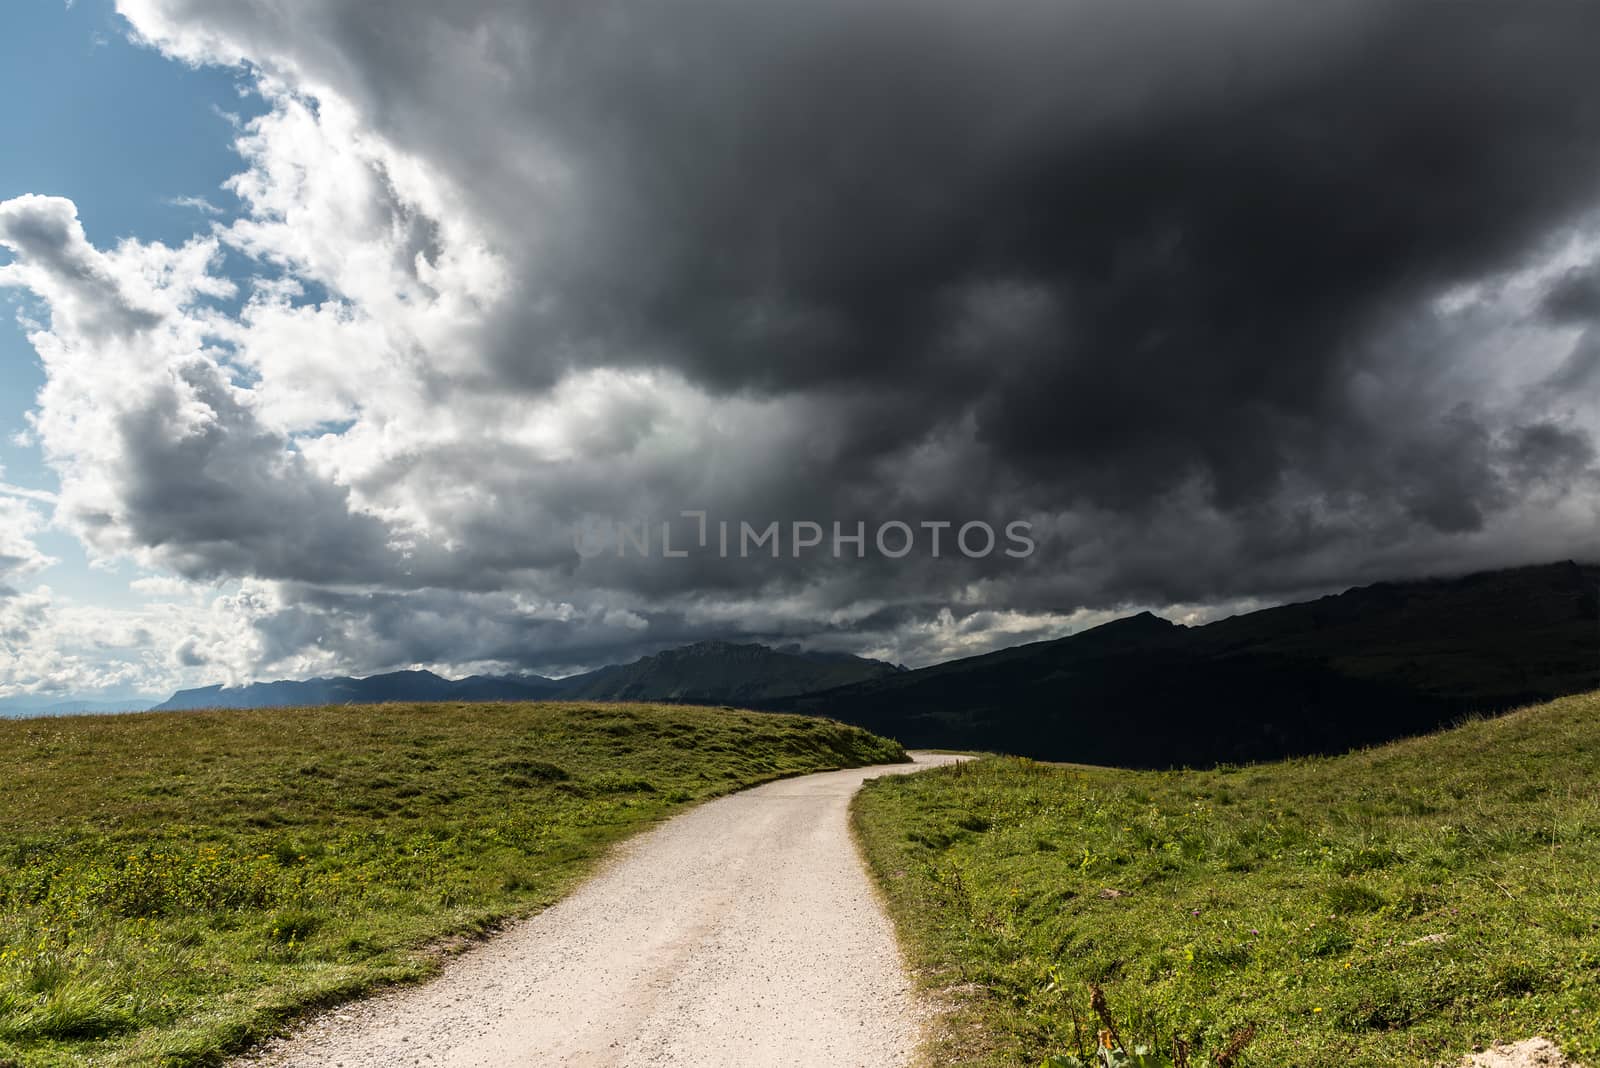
{"points": [[709, 672], [1360, 667]]}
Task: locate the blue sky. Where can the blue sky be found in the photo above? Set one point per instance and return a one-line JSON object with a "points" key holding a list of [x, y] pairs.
{"points": [[123, 132]]}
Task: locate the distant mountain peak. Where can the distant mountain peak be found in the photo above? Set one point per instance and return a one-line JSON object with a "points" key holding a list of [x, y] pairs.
{"points": [[416, 685], [1145, 620], [713, 671]]}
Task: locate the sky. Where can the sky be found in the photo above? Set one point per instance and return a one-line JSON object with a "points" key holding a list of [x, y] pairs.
{"points": [[337, 324]]}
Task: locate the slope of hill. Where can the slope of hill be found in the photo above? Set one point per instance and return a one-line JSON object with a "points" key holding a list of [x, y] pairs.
{"points": [[1362, 667], [1396, 906], [723, 673], [174, 886]]}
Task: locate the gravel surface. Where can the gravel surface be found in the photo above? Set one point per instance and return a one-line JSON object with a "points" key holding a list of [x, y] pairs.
{"points": [[745, 932], [1534, 1053]]}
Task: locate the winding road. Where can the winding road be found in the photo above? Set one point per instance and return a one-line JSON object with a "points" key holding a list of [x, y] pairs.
{"points": [[744, 932]]}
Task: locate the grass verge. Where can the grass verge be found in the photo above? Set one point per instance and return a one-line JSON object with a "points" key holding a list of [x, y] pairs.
{"points": [[175, 886], [1394, 906]]}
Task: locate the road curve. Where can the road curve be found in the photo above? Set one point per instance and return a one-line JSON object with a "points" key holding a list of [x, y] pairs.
{"points": [[744, 932]]}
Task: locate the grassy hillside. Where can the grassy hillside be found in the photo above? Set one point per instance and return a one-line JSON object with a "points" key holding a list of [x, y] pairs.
{"points": [[173, 885], [1389, 907]]}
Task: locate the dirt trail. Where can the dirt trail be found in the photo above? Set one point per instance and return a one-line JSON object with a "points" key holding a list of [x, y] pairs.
{"points": [[744, 932]]}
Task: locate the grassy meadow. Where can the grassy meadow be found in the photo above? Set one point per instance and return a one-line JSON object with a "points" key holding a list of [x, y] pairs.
{"points": [[1394, 906], [174, 886]]}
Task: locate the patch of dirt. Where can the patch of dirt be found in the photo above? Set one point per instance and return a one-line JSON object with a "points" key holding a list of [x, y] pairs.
{"points": [[1532, 1053]]}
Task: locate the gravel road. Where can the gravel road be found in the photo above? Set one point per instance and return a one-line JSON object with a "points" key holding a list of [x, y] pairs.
{"points": [[744, 932]]}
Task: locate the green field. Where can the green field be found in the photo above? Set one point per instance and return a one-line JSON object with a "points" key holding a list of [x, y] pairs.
{"points": [[173, 886], [1389, 907]]}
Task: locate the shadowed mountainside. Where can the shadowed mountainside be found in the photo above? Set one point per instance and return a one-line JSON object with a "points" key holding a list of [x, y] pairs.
{"points": [[1369, 665], [724, 673]]}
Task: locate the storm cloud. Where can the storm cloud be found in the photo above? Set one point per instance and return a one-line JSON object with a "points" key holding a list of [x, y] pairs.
{"points": [[1230, 300]]}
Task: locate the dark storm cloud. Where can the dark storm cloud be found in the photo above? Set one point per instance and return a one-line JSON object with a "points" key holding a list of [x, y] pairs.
{"points": [[230, 497], [1575, 298], [1547, 451], [386, 629], [1201, 210], [1580, 373], [1160, 274]]}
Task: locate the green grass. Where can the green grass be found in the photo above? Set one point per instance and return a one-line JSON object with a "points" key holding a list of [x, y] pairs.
{"points": [[1390, 907], [174, 886]]}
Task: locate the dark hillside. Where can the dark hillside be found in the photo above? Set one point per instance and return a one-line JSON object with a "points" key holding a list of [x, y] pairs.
{"points": [[1365, 666]]}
